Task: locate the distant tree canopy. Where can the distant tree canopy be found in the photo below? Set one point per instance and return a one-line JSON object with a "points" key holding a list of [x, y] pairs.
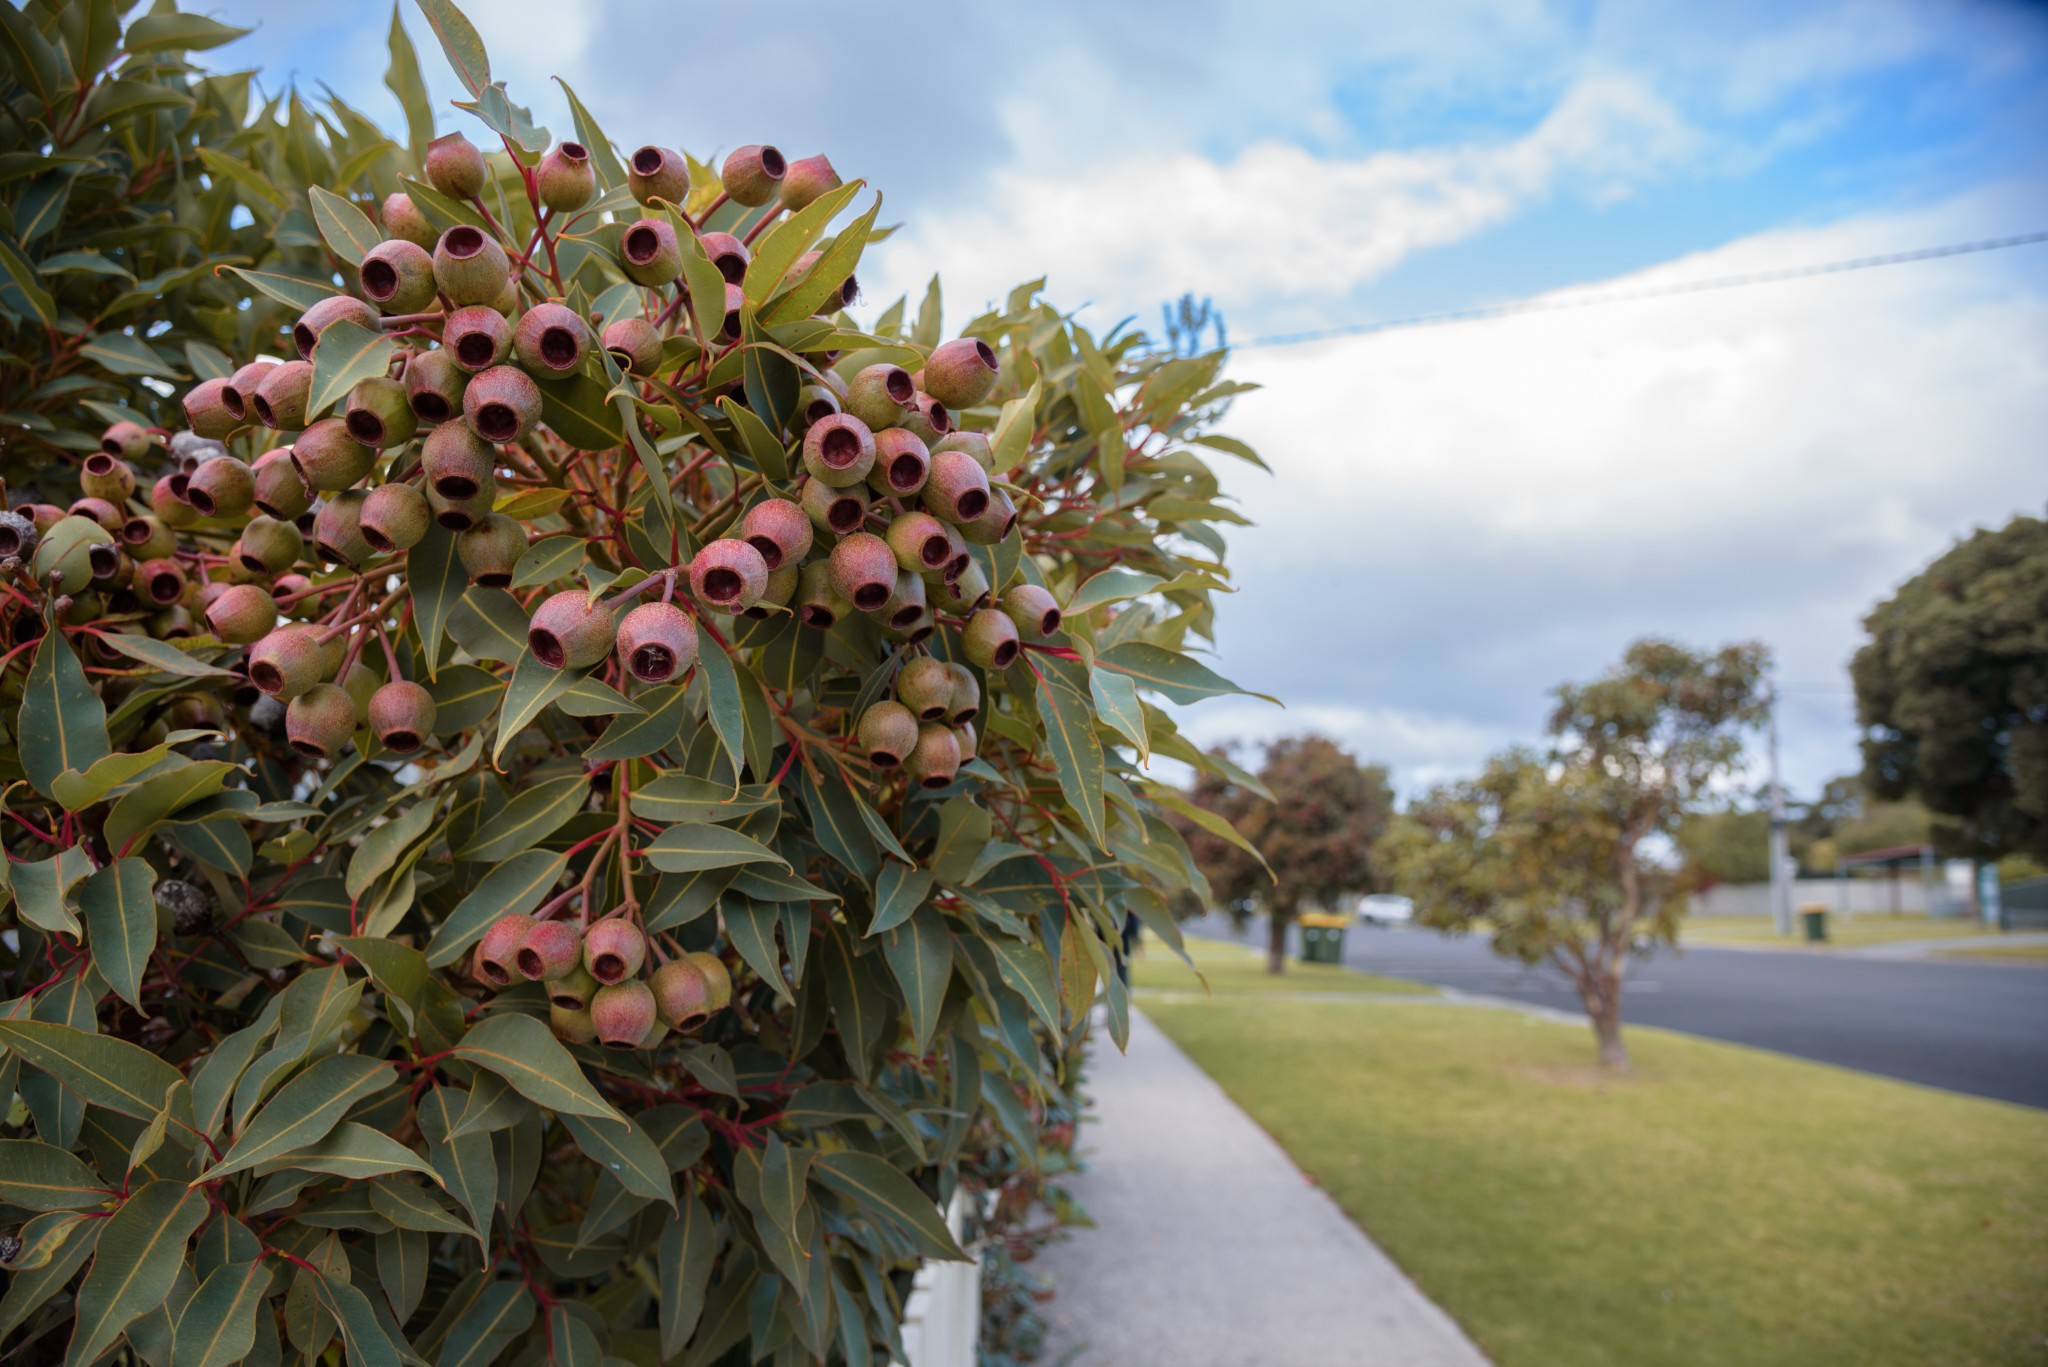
{"points": [[1317, 822], [1546, 851], [1726, 846], [1732, 844], [1952, 693]]}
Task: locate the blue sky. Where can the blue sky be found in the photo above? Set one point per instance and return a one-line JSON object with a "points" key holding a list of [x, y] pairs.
{"points": [[1461, 517]]}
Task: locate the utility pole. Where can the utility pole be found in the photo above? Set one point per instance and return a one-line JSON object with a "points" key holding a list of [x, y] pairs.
{"points": [[1781, 886]]}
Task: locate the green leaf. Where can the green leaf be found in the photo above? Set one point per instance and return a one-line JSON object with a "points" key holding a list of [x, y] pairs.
{"points": [[489, 624], [898, 892], [501, 1314], [1114, 585], [362, 1333], [684, 1262], [859, 1003], [1012, 438], [526, 1054], [778, 250], [345, 229], [411, 1207], [162, 656], [758, 439], [304, 1110], [1076, 753], [157, 797], [381, 849], [681, 798], [686, 849], [1181, 679], [519, 884], [610, 172], [39, 1176], [879, 1191], [178, 32], [1210, 822], [591, 696], [218, 1325], [784, 1169], [459, 41], [62, 723], [140, 1253], [528, 819], [533, 687], [638, 735], [102, 1070], [623, 1149], [726, 710], [437, 580], [347, 354], [1027, 969], [834, 265], [355, 1151], [548, 559], [19, 269], [577, 411], [288, 290], [42, 890], [120, 925], [403, 79], [920, 954], [1116, 701]]}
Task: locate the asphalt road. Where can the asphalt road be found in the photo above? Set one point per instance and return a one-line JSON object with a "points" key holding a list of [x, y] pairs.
{"points": [[1981, 1029]]}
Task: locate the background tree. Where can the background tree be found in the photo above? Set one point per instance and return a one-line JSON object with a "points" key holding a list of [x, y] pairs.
{"points": [[1730, 845], [1952, 692], [1546, 851], [1315, 813]]}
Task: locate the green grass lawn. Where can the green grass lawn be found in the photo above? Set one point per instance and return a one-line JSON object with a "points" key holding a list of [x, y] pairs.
{"points": [[1875, 928], [1235, 971], [1722, 1206]]}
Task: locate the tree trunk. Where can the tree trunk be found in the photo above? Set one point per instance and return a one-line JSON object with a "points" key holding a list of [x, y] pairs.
{"points": [[1601, 995], [1276, 941]]}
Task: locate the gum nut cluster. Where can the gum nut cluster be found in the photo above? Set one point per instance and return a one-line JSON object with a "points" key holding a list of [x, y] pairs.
{"points": [[598, 989]]}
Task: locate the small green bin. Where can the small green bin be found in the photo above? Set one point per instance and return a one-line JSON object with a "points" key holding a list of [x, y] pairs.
{"points": [[1814, 917], [1322, 939]]}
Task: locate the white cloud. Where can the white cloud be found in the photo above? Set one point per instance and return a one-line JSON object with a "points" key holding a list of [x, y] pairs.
{"points": [[1276, 221], [1462, 517]]}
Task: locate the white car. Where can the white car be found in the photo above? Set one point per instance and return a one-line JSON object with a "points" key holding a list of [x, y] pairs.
{"points": [[1386, 909]]}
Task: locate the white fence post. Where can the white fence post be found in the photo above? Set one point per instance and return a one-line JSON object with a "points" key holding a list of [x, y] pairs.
{"points": [[942, 1321]]}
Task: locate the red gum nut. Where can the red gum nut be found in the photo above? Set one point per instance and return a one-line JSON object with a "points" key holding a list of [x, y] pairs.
{"points": [[887, 733], [476, 338], [930, 420], [614, 950], [490, 550], [990, 639], [161, 581], [242, 615], [497, 954], [378, 414], [325, 314], [455, 166], [241, 387], [566, 179], [330, 458], [320, 722], [402, 716], [975, 444], [1034, 610], [434, 385], [864, 570], [879, 395], [398, 276], [623, 1014], [395, 517], [125, 440], [338, 529], [961, 373], [470, 266], [780, 593], [902, 464], [221, 487], [819, 603], [752, 174], [658, 173], [574, 989], [207, 413], [457, 462], [280, 401], [995, 521], [836, 510], [571, 632], [658, 642], [735, 300], [649, 253], [727, 253], [778, 529], [571, 1024], [269, 545], [553, 949], [958, 488], [906, 605], [936, 757], [280, 489], [681, 995], [107, 476], [924, 685], [920, 543], [713, 969], [963, 704], [729, 574], [167, 501], [805, 181], [840, 450], [635, 344], [402, 219], [551, 339], [503, 404], [460, 514], [287, 662]]}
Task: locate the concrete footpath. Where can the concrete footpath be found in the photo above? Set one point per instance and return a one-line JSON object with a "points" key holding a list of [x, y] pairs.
{"points": [[1211, 1249]]}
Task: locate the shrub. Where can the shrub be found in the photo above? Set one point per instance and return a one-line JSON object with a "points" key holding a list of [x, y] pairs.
{"points": [[474, 893]]}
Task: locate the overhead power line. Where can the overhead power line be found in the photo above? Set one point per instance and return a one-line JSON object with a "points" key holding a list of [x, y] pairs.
{"points": [[1721, 282]]}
